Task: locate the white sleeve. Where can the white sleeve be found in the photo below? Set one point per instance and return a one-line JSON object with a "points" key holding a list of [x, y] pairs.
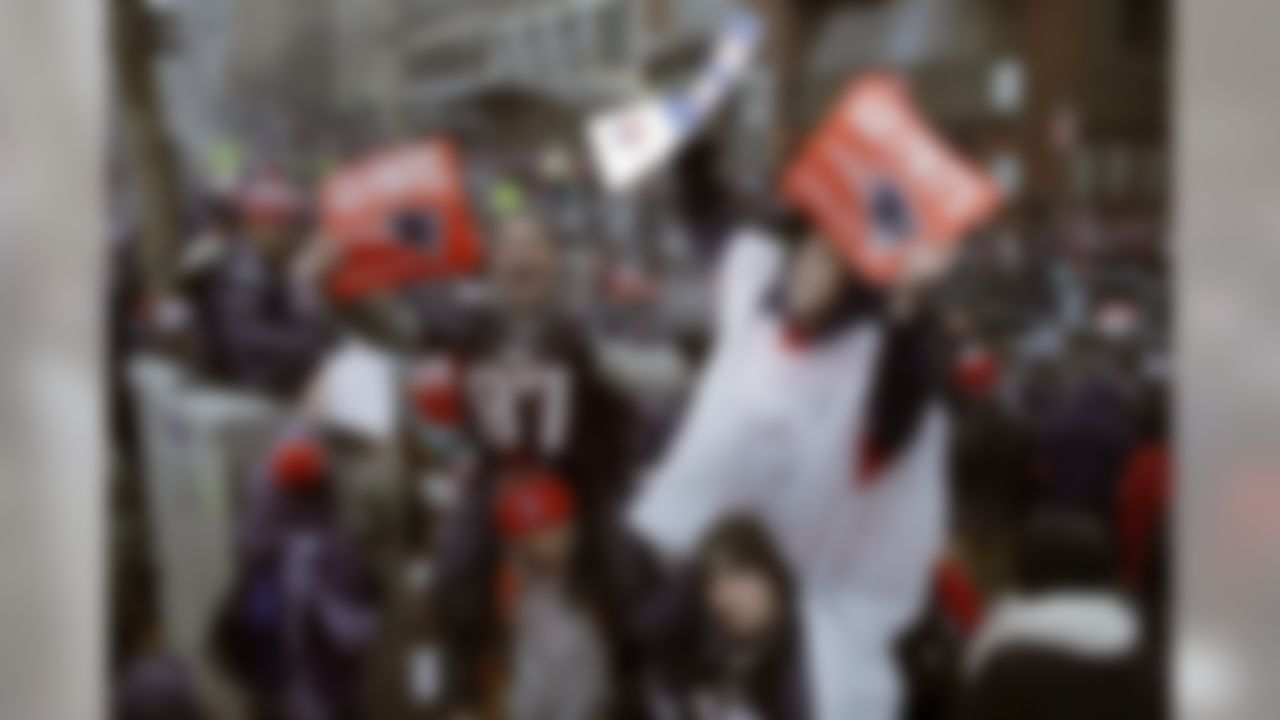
{"points": [[697, 482], [897, 535], [675, 510], [748, 265]]}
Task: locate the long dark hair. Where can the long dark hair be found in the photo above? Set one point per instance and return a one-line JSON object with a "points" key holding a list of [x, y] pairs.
{"points": [[741, 541], [773, 681]]}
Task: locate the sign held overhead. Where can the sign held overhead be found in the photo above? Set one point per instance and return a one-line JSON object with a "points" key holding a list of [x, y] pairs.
{"points": [[882, 185]]}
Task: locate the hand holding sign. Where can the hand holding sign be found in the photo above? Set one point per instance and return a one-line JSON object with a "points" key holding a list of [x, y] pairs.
{"points": [[884, 187], [398, 217]]}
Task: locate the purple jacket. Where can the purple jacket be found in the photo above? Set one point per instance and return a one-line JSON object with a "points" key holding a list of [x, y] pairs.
{"points": [[328, 611]]}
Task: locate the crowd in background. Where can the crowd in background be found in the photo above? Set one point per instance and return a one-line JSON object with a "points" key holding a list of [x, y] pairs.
{"points": [[1050, 357]]}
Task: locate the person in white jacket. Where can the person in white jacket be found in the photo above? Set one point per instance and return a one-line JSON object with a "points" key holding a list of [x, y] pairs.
{"points": [[814, 416]]}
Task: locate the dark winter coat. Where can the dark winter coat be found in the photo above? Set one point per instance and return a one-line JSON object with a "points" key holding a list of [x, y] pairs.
{"points": [[566, 420], [1063, 655]]}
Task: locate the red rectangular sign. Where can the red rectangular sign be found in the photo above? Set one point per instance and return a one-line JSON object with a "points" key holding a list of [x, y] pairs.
{"points": [[881, 184], [407, 205]]}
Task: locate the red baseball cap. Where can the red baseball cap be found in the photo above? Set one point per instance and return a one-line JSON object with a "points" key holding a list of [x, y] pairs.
{"points": [[529, 503]]}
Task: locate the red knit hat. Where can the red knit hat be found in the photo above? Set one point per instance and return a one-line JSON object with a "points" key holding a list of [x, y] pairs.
{"points": [[298, 464], [533, 502], [976, 372]]}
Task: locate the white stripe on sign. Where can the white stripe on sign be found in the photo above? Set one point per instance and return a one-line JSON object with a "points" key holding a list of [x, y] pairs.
{"points": [[838, 209]]}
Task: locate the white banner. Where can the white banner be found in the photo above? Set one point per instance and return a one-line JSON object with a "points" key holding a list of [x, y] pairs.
{"points": [[630, 143]]}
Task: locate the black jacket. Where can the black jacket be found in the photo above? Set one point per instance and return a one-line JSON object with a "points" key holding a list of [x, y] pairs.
{"points": [[1062, 656], [689, 661], [590, 451]]}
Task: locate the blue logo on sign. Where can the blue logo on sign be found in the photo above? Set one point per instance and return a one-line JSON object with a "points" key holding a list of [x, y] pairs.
{"points": [[416, 228], [892, 218]]}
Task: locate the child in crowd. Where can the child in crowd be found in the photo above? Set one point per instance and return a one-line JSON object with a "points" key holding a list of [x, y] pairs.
{"points": [[550, 651], [729, 647], [302, 615]]}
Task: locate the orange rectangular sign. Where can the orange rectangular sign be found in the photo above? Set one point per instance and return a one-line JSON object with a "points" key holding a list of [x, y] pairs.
{"points": [[880, 183]]}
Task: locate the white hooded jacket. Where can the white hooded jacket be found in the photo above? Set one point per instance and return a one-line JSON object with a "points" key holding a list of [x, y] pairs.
{"points": [[772, 433]]}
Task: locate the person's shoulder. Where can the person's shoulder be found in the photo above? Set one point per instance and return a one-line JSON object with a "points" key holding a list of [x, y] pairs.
{"points": [[203, 254]]}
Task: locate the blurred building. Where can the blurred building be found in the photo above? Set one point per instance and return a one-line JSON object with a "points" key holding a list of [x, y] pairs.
{"points": [[1066, 101], [534, 65], [282, 72], [285, 75], [366, 79], [193, 72]]}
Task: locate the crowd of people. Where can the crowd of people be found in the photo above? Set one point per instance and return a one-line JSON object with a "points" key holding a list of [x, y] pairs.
{"points": [[715, 477]]}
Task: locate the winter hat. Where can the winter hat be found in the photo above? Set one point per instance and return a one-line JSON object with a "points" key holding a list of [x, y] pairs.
{"points": [[298, 464], [532, 502]]}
